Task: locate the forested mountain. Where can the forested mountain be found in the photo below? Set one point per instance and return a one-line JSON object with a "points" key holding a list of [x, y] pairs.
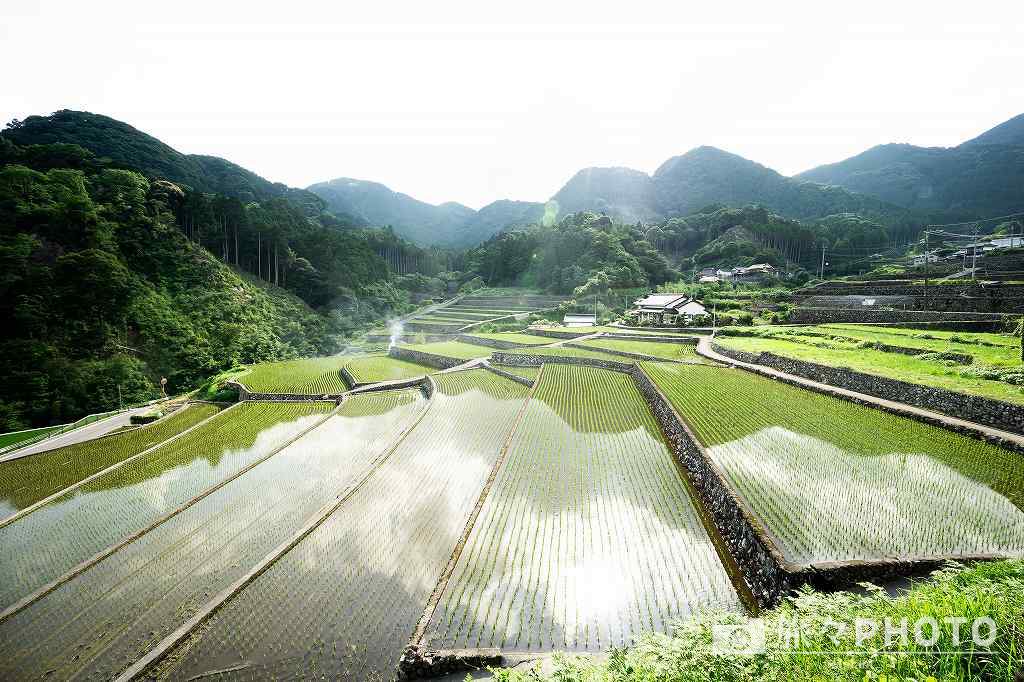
{"points": [[580, 249], [626, 194], [448, 224], [127, 147], [981, 178], [113, 279]]}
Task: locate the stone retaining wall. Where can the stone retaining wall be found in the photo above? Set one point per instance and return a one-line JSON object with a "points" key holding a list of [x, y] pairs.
{"points": [[411, 338], [990, 412], [761, 565], [554, 334], [622, 353], [664, 338], [428, 359], [527, 360], [871, 315], [508, 375], [490, 343]]}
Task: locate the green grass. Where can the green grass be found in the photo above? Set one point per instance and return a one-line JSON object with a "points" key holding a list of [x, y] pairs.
{"points": [[26, 480], [452, 349], [8, 439], [993, 590], [890, 365], [831, 480], [516, 337], [669, 351], [311, 376]]}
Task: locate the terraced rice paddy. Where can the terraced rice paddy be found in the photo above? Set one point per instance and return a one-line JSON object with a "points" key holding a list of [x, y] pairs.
{"points": [[567, 351], [345, 600], [834, 481], [669, 351], [27, 480], [588, 537], [77, 524], [374, 368], [118, 609], [452, 349], [309, 376], [517, 337]]}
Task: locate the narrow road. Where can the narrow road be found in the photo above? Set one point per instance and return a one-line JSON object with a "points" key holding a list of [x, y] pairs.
{"points": [[81, 434], [704, 349]]}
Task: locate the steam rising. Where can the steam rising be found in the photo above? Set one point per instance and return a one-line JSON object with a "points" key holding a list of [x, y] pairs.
{"points": [[396, 327]]}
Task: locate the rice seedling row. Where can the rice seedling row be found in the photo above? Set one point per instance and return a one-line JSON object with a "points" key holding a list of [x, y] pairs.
{"points": [[374, 368], [452, 349], [834, 481], [312, 376], [589, 537], [566, 351], [27, 480], [345, 600], [73, 527], [120, 607], [669, 351], [515, 337]]}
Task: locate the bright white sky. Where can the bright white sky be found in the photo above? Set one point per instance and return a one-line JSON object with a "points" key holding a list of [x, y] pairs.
{"points": [[476, 101]]}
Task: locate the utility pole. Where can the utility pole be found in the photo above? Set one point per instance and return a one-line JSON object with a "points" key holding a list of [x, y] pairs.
{"points": [[120, 404], [926, 269], [821, 273]]}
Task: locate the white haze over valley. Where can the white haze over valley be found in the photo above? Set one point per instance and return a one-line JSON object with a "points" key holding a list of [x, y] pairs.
{"points": [[472, 102]]}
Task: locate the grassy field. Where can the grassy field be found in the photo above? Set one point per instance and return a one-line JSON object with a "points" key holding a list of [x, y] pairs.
{"points": [[74, 526], [892, 365], [374, 368], [823, 653], [831, 480], [26, 480], [452, 349], [142, 588], [589, 536], [669, 351], [344, 602], [311, 376], [517, 337], [8, 439]]}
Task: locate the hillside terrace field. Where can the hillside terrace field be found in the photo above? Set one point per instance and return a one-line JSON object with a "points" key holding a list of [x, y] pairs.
{"points": [[517, 337], [928, 372], [141, 588], [311, 376], [374, 368], [668, 351], [834, 481], [589, 536], [27, 480], [344, 601], [83, 521], [452, 349]]}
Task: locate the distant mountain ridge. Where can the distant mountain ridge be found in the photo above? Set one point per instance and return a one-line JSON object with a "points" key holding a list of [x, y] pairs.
{"points": [[982, 177]]}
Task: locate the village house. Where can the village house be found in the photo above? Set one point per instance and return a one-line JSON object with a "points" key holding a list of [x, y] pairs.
{"points": [[755, 273], [667, 309]]}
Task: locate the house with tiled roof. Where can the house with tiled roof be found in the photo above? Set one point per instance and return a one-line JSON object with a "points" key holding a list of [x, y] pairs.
{"points": [[668, 308]]}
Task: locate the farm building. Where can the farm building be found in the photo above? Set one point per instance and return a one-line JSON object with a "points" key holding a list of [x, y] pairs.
{"points": [[668, 308], [755, 273], [579, 320]]}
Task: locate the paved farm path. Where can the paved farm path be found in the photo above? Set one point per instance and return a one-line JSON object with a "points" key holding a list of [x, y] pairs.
{"points": [[986, 432], [81, 434]]}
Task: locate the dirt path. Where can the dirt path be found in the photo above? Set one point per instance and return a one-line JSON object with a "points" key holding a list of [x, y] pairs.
{"points": [[986, 432]]}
